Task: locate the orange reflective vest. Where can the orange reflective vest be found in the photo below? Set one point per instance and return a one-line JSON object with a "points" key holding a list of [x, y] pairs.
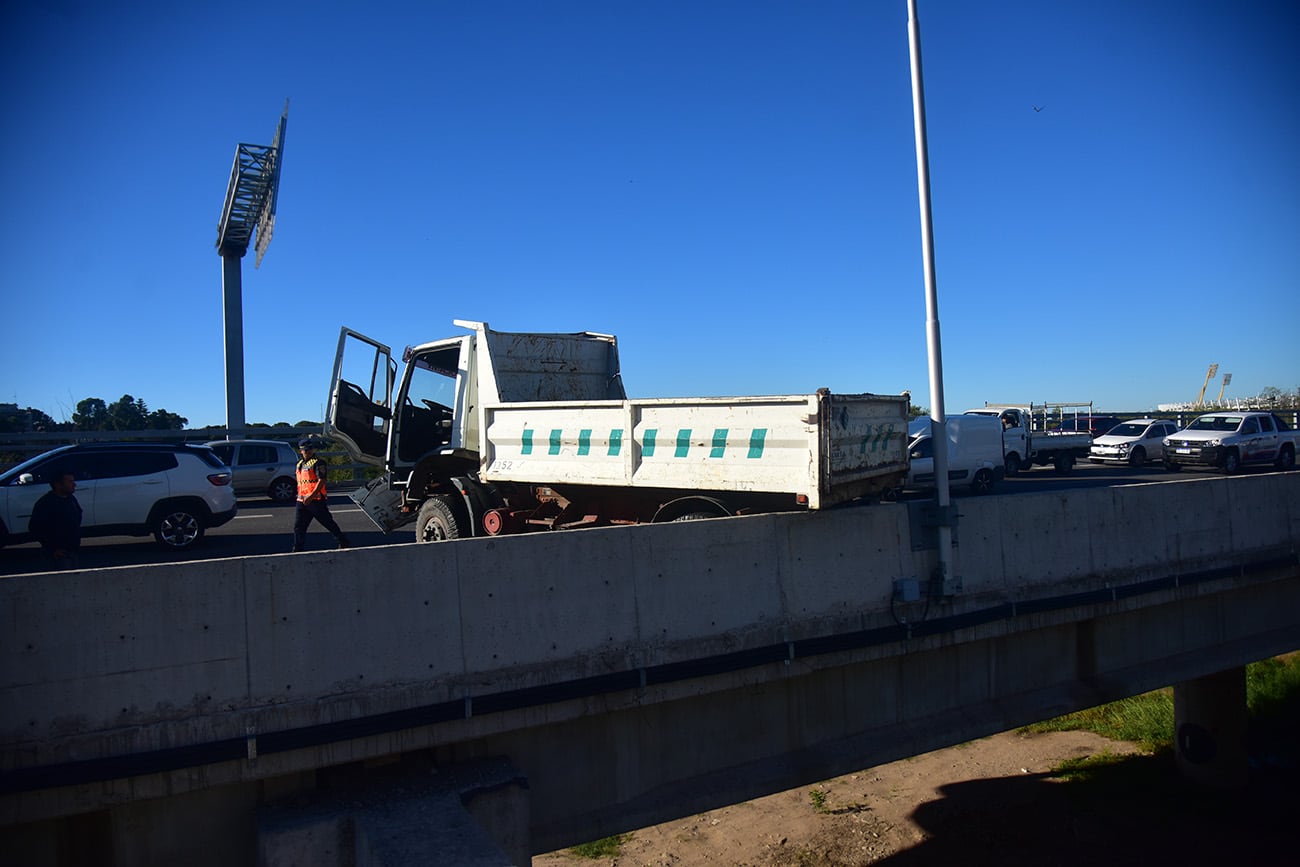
{"points": [[311, 479]]}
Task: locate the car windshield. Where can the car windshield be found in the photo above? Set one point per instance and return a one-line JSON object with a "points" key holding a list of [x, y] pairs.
{"points": [[1128, 429], [1216, 422]]}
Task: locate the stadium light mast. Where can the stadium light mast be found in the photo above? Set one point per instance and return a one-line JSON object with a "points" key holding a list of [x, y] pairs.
{"points": [[249, 208]]}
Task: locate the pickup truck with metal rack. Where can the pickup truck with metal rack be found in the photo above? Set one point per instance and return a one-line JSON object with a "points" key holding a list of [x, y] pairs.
{"points": [[492, 432], [1027, 441]]}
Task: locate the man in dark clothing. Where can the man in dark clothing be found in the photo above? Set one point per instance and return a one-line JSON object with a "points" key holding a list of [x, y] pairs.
{"points": [[56, 522], [312, 497]]}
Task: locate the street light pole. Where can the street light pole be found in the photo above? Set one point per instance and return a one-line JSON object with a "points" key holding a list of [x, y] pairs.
{"points": [[938, 418]]}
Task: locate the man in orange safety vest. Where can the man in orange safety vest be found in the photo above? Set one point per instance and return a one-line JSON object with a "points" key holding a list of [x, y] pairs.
{"points": [[312, 473]]}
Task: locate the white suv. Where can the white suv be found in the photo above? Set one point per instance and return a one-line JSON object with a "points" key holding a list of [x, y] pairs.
{"points": [[173, 491], [263, 467], [1133, 442]]}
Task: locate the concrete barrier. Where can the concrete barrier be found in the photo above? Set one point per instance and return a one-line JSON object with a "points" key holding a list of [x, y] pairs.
{"points": [[257, 666]]}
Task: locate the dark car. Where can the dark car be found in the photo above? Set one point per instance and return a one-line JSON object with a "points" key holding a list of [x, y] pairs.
{"points": [[1095, 425]]}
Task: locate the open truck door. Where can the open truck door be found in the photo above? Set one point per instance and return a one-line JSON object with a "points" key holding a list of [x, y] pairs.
{"points": [[359, 417], [361, 397]]}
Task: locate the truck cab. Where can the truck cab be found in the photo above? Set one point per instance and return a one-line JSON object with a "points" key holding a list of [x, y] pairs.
{"points": [[425, 430]]}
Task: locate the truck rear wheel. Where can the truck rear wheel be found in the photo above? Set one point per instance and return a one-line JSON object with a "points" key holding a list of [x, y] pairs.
{"points": [[438, 522], [1064, 462]]}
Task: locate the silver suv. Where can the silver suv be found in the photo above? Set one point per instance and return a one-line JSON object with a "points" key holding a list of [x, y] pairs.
{"points": [[261, 467], [173, 491]]}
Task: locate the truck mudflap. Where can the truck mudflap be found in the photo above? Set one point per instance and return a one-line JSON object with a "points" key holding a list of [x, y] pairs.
{"points": [[382, 504]]}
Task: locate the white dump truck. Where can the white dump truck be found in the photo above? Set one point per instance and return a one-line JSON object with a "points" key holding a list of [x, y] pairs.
{"points": [[491, 432], [1028, 441]]}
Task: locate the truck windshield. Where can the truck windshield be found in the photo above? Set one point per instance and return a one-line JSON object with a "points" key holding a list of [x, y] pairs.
{"points": [[1216, 422]]}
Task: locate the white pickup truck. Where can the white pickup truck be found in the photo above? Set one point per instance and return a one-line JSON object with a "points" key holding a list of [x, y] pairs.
{"points": [[492, 432], [1028, 443], [1232, 440]]}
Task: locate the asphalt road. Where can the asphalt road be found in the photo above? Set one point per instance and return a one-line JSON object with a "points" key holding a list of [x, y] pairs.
{"points": [[263, 527]]}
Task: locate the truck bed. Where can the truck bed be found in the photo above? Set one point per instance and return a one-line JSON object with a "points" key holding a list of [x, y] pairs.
{"points": [[831, 448]]}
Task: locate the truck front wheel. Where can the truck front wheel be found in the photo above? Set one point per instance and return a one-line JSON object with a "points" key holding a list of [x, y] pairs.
{"points": [[1013, 464], [438, 522], [1231, 462]]}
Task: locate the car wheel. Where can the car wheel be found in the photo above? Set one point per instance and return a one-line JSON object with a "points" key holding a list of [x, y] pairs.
{"points": [[283, 490], [1137, 457], [1231, 463], [1285, 461], [1013, 464], [982, 483], [178, 529], [438, 522]]}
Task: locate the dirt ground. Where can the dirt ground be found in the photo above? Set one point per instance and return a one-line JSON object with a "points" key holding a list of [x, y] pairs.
{"points": [[990, 802]]}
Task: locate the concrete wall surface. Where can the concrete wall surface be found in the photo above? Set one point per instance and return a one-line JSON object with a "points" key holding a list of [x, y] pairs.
{"points": [[259, 665]]}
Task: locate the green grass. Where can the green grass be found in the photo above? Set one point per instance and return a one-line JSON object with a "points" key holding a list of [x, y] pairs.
{"points": [[818, 798], [1272, 699], [608, 847]]}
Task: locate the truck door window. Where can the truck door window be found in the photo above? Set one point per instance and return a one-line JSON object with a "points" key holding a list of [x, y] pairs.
{"points": [[427, 403], [1250, 426], [1265, 424]]}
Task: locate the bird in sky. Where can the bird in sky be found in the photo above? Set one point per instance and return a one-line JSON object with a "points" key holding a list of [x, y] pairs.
{"points": [[1039, 107]]}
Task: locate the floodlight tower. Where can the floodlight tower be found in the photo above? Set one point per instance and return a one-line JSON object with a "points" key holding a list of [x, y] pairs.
{"points": [[1227, 378], [250, 205], [1200, 398]]}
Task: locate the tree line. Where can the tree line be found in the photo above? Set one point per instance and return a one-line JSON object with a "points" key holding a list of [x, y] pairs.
{"points": [[125, 414]]}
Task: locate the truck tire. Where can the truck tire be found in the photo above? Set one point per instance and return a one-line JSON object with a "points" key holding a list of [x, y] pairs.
{"points": [[1013, 464], [1172, 466], [438, 522], [1063, 462], [1231, 462], [1286, 459]]}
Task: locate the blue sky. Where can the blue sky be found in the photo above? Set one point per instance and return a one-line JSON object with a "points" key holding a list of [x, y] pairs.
{"points": [[730, 187]]}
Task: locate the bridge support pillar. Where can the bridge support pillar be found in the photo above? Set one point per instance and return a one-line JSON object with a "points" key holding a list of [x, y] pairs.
{"points": [[1210, 729]]}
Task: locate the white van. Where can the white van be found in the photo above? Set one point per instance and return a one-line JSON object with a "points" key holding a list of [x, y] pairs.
{"points": [[975, 455]]}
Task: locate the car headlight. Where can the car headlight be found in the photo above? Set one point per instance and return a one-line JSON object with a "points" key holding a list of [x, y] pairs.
{"points": [[1165, 442], [1215, 443], [1123, 447]]}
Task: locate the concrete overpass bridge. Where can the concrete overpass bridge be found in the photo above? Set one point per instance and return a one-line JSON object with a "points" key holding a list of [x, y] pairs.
{"points": [[480, 701]]}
